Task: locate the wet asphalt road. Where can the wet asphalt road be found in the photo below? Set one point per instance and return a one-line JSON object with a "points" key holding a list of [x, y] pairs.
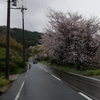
{"points": [[39, 83]]}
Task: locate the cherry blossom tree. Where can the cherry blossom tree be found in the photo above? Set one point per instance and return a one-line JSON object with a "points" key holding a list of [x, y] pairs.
{"points": [[71, 39]]}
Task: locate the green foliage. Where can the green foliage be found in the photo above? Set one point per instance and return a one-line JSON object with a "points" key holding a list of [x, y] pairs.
{"points": [[91, 72], [13, 43], [88, 72], [13, 67], [2, 30], [16, 67], [15, 62], [46, 61], [96, 72], [2, 60], [2, 54], [20, 70], [35, 50], [28, 53], [2, 41], [4, 82], [31, 38]]}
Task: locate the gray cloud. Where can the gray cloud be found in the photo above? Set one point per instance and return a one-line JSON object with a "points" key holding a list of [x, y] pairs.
{"points": [[35, 16]]}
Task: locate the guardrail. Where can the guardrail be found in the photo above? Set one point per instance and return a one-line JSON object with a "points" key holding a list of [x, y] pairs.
{"points": [[88, 85]]}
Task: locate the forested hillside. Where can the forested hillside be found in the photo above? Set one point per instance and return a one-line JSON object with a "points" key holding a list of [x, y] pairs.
{"points": [[15, 61], [31, 38]]}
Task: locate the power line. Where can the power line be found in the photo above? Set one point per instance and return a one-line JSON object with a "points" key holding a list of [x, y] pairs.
{"points": [[29, 22], [23, 35], [8, 34]]}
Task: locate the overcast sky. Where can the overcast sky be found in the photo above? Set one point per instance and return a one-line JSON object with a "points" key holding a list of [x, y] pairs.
{"points": [[35, 16]]}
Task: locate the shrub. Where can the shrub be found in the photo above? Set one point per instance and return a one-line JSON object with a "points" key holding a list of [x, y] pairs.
{"points": [[20, 70], [4, 82], [13, 67], [2, 67], [89, 72], [17, 61], [96, 72]]}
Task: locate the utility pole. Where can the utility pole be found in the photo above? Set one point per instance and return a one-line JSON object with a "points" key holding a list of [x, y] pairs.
{"points": [[23, 34], [7, 41], [8, 35]]}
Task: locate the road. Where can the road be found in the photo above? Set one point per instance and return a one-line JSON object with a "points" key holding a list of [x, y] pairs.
{"points": [[39, 83]]}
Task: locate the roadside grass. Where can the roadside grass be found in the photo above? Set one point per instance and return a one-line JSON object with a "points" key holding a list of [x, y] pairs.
{"points": [[15, 64], [88, 72], [45, 62], [20, 70], [91, 72], [4, 82], [16, 54], [63, 68]]}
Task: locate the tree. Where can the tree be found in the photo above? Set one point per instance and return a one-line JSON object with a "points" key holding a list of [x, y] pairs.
{"points": [[66, 32], [13, 43], [39, 52]]}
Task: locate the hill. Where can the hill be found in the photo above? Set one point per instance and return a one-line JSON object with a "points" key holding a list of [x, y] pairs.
{"points": [[15, 62], [31, 38]]}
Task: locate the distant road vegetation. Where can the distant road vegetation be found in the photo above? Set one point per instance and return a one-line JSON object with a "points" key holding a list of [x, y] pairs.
{"points": [[31, 39], [71, 41]]}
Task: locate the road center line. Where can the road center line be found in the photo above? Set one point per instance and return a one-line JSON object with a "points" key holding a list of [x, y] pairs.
{"points": [[19, 91], [41, 67], [26, 76], [45, 70], [85, 96], [56, 78]]}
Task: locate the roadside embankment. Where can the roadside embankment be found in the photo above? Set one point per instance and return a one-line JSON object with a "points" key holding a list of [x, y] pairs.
{"points": [[89, 85], [5, 88]]}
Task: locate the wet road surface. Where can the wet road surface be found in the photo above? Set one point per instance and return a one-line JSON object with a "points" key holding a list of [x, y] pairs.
{"points": [[39, 83]]}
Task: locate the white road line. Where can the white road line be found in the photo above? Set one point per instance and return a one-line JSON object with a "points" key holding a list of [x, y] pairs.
{"points": [[56, 78], [85, 76], [88, 98], [45, 70], [19, 91], [39, 66], [42, 68], [25, 76]]}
